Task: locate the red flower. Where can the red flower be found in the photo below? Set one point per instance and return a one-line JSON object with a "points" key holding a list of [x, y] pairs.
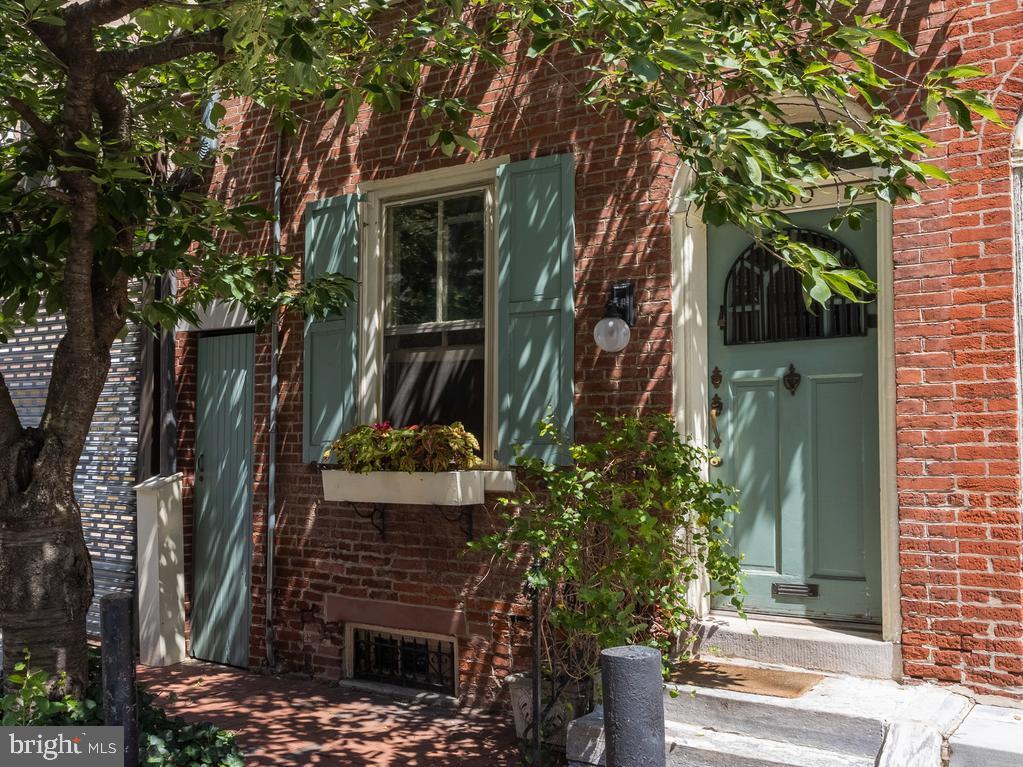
{"points": [[382, 426]]}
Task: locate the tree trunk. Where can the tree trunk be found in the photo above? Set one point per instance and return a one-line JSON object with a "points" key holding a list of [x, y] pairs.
{"points": [[45, 581]]}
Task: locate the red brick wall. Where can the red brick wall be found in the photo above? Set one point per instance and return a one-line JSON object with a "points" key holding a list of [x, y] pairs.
{"points": [[325, 548], [957, 399], [958, 448]]}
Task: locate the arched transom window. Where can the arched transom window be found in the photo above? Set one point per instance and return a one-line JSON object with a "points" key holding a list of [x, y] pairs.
{"points": [[763, 301]]}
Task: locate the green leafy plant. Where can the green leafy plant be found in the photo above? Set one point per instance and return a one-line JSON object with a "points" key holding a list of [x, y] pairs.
{"points": [[381, 447], [164, 741], [617, 538], [29, 702]]}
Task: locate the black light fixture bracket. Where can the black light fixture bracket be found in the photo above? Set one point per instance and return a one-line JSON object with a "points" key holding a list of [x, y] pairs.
{"points": [[622, 302]]}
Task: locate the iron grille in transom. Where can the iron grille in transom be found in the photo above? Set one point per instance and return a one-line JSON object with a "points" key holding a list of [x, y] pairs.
{"points": [[763, 301], [408, 661]]}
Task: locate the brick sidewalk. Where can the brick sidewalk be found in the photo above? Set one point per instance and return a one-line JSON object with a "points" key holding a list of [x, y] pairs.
{"points": [[302, 722]]}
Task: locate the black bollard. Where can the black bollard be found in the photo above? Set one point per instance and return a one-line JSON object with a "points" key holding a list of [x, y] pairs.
{"points": [[633, 706], [117, 649]]}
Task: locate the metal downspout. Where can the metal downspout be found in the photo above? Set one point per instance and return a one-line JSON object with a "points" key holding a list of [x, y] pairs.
{"points": [[271, 472]]}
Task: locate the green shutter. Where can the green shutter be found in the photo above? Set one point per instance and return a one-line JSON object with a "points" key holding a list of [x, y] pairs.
{"points": [[331, 345], [536, 261]]}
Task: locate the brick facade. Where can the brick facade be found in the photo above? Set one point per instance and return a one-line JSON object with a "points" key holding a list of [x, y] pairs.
{"points": [[326, 548], [958, 465], [957, 399]]}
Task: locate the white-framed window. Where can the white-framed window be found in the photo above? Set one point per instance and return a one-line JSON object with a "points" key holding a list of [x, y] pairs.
{"points": [[428, 298], [464, 308]]}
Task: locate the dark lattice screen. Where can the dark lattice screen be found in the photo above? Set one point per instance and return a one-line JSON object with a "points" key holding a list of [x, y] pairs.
{"points": [[764, 303]]}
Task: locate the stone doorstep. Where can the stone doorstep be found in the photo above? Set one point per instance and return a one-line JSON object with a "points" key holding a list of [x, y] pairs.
{"points": [[844, 719], [813, 647], [990, 736], [688, 746]]}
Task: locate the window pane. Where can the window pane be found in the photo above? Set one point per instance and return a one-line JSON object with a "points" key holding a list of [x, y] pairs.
{"points": [[434, 353], [412, 264], [466, 248], [427, 381]]}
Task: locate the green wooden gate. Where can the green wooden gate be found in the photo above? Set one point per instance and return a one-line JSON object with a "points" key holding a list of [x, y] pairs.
{"points": [[222, 527]]}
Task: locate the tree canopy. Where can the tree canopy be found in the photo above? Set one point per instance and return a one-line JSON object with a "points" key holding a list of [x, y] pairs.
{"points": [[105, 98]]}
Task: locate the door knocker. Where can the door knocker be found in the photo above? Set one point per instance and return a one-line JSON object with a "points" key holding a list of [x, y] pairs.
{"points": [[792, 379]]}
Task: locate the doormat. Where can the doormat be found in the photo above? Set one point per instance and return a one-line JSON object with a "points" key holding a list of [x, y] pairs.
{"points": [[748, 679]]}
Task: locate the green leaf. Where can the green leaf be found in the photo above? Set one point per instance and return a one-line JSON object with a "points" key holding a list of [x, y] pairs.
{"points": [[960, 113], [352, 105], [818, 290], [300, 50], [978, 104], [962, 72], [933, 171], [891, 37], [467, 143], [644, 68], [752, 169]]}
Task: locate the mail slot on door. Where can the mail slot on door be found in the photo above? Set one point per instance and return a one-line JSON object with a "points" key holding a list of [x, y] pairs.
{"points": [[803, 590]]}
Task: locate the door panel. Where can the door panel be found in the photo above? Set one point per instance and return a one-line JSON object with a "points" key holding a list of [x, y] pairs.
{"points": [[222, 528], [754, 456], [837, 479], [804, 457]]}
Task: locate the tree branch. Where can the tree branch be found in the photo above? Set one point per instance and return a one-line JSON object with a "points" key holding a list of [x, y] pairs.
{"points": [[10, 423], [113, 112], [172, 48], [96, 13], [46, 135], [53, 37]]}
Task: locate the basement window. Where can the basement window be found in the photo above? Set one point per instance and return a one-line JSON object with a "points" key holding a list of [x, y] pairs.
{"points": [[417, 662]]}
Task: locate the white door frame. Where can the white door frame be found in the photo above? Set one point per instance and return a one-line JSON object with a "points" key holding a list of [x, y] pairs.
{"points": [[690, 369]]}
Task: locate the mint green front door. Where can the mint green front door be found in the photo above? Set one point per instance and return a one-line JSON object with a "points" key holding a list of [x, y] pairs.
{"points": [[797, 425]]}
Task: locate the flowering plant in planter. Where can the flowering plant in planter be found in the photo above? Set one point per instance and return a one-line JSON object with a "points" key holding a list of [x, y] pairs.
{"points": [[434, 464], [382, 447]]}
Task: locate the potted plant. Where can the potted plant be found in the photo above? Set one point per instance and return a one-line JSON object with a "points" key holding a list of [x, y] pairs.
{"points": [[616, 540], [434, 465]]}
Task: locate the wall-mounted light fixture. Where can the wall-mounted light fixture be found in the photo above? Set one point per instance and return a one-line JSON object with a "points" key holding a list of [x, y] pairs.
{"points": [[612, 333]]}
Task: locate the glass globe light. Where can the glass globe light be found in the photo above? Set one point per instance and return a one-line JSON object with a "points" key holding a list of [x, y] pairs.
{"points": [[612, 333]]}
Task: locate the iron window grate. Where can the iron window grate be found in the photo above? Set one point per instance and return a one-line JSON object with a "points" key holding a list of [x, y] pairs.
{"points": [[421, 663], [764, 303]]}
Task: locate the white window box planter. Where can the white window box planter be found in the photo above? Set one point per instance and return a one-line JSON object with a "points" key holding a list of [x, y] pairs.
{"points": [[444, 488]]}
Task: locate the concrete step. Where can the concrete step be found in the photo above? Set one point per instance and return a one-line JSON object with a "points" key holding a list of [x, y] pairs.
{"points": [[688, 746], [833, 649], [847, 720], [701, 747], [990, 736], [841, 714]]}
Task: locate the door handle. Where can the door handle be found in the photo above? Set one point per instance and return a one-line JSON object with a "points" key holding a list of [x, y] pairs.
{"points": [[716, 407], [201, 467]]}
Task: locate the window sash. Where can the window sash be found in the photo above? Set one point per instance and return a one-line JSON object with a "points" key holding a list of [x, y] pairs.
{"points": [[442, 260], [382, 196]]}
